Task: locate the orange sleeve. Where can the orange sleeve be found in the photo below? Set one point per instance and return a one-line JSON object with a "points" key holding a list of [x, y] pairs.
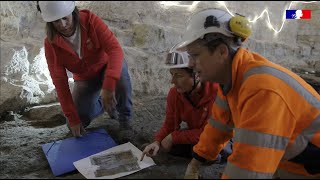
{"points": [[217, 132]]}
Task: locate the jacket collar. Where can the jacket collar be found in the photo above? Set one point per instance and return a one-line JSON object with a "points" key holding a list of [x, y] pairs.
{"points": [[242, 56], [207, 90]]}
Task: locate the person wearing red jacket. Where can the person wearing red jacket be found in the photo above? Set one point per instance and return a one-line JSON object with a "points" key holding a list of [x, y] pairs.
{"points": [[271, 113], [189, 103], [80, 42]]}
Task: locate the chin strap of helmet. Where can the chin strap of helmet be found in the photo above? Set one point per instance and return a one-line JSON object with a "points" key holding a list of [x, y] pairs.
{"points": [[188, 94]]}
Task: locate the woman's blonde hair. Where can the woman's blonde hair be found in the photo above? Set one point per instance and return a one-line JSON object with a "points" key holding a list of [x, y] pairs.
{"points": [[52, 32]]}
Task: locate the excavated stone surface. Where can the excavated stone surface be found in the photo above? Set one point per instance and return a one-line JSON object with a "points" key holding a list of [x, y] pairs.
{"points": [[21, 155]]}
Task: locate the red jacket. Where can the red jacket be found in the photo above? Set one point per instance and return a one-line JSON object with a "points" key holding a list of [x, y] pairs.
{"points": [[99, 48], [180, 109]]}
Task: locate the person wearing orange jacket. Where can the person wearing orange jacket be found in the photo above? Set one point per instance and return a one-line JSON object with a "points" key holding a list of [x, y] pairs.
{"points": [[271, 113], [82, 43], [187, 111]]}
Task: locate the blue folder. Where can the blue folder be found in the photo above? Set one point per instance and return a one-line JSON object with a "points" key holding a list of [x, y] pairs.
{"points": [[61, 154]]}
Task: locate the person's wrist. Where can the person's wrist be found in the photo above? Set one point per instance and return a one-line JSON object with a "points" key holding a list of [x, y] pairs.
{"points": [[195, 163], [157, 142]]}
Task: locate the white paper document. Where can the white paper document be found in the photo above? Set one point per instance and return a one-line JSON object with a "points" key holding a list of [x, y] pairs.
{"points": [[85, 167]]}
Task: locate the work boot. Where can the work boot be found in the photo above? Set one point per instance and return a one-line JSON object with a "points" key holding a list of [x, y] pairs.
{"points": [[114, 114], [126, 131]]}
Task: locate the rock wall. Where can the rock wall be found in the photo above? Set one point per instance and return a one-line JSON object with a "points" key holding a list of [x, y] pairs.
{"points": [[146, 30]]}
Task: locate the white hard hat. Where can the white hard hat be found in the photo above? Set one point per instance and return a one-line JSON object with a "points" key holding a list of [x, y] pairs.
{"points": [[54, 10], [204, 22], [177, 60]]}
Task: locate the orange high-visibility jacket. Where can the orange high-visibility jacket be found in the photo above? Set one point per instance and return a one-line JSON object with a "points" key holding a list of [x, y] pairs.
{"points": [[273, 116]]}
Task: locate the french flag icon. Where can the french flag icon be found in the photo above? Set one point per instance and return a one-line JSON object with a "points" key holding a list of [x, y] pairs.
{"points": [[298, 14]]}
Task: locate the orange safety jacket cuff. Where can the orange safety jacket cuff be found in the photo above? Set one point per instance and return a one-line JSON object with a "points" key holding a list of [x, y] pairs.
{"points": [[197, 157]]}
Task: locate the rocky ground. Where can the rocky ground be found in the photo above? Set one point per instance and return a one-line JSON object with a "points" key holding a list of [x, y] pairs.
{"points": [[22, 135]]}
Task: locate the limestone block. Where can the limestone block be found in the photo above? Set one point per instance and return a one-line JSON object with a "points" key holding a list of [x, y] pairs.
{"points": [[260, 48], [269, 49], [24, 69], [131, 10], [289, 51], [317, 65], [154, 38], [10, 99], [43, 112], [305, 50], [313, 7], [317, 45], [14, 60], [147, 73], [315, 52], [307, 39], [125, 37], [19, 19], [279, 51]]}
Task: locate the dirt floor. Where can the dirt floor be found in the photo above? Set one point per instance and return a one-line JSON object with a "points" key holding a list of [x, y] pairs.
{"points": [[21, 155]]}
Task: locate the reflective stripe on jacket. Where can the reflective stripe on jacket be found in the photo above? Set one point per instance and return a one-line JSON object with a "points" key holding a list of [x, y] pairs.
{"points": [[273, 116]]}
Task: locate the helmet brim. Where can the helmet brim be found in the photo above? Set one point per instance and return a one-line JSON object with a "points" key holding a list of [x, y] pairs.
{"points": [[185, 42], [50, 14], [180, 47], [175, 66]]}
